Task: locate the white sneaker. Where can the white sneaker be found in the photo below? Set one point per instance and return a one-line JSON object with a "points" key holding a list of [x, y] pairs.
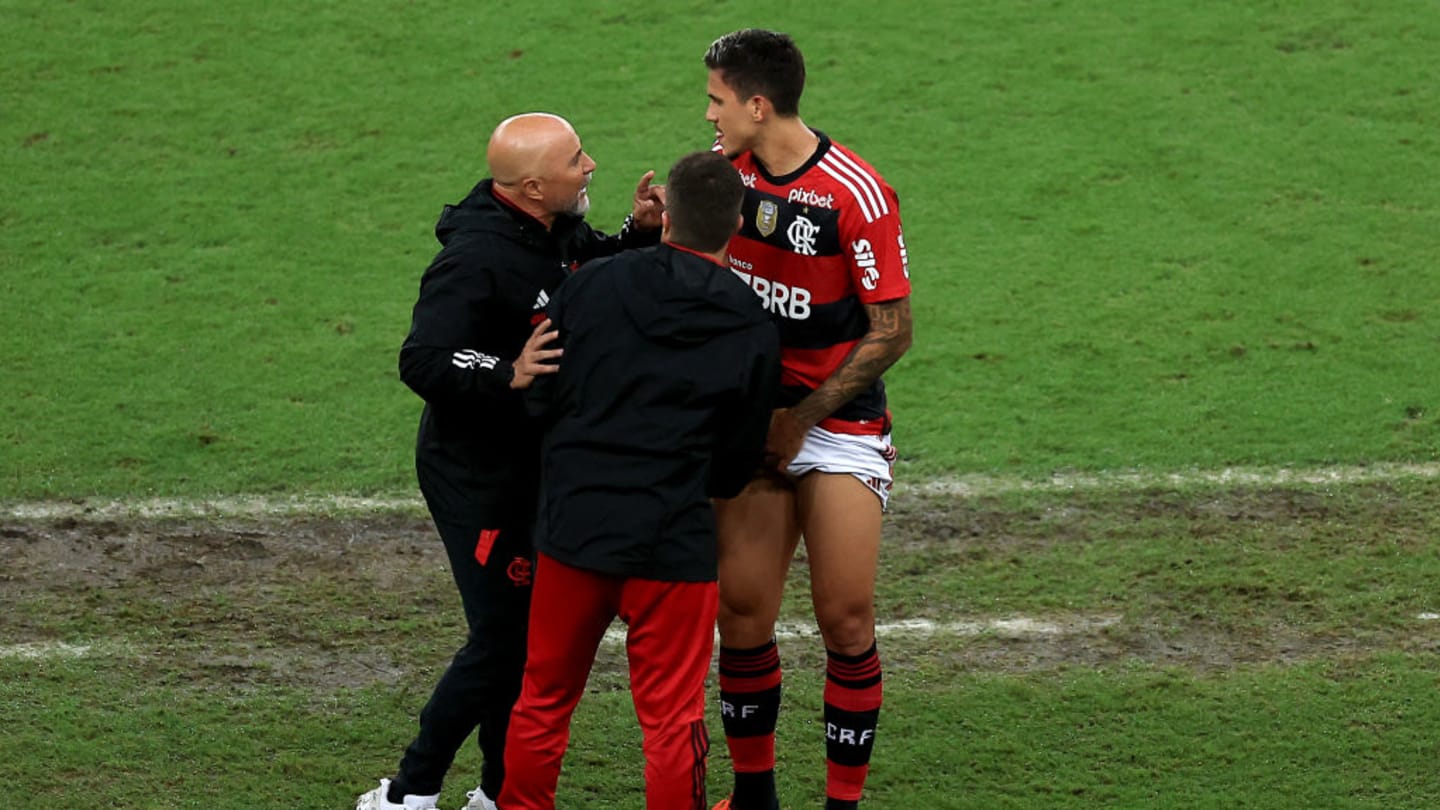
{"points": [[479, 801], [379, 799]]}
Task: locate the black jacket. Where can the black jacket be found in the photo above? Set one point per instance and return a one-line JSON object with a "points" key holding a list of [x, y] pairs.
{"points": [[661, 401], [477, 452]]}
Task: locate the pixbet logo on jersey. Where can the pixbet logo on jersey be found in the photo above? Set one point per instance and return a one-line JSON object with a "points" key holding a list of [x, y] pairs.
{"points": [[779, 298], [805, 196]]}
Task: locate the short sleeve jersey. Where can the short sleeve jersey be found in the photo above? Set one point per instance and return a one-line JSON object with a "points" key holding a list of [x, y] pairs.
{"points": [[817, 245]]}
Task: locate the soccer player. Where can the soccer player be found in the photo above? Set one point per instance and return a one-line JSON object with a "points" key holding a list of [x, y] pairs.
{"points": [[476, 339], [661, 401], [821, 244]]}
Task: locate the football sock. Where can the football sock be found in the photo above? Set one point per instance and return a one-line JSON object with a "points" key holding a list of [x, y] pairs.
{"points": [[749, 707], [852, 707]]}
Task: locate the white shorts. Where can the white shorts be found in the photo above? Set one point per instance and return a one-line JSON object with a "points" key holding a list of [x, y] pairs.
{"points": [[871, 459]]}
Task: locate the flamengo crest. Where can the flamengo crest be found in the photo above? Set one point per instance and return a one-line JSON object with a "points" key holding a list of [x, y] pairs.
{"points": [[802, 233]]}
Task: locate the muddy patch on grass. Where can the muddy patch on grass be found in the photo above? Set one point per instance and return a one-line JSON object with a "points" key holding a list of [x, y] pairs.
{"points": [[329, 602]]}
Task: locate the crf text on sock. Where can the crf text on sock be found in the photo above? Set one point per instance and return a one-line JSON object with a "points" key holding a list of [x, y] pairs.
{"points": [[848, 736], [728, 709]]}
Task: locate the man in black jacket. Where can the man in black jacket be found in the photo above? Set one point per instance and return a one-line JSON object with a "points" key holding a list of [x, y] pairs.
{"points": [[661, 402], [476, 338]]}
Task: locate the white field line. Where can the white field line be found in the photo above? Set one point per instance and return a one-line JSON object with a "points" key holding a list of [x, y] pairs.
{"points": [[1016, 627], [39, 650], [236, 506], [1123, 480], [259, 506], [1012, 627]]}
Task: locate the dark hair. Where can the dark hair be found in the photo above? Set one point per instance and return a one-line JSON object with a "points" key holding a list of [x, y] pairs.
{"points": [[703, 197], [756, 62]]}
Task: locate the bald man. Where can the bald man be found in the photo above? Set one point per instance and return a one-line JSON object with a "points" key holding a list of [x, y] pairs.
{"points": [[477, 337]]}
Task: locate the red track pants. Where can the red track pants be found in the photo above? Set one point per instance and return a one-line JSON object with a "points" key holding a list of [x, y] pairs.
{"points": [[670, 639]]}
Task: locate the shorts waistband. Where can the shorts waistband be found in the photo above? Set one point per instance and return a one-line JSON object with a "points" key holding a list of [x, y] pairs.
{"points": [[857, 427]]}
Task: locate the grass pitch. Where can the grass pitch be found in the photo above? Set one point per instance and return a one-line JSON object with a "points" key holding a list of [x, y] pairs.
{"points": [[1154, 237]]}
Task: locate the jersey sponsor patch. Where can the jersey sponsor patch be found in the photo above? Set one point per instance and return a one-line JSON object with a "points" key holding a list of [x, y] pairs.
{"points": [[864, 255], [780, 299], [767, 214], [805, 196]]}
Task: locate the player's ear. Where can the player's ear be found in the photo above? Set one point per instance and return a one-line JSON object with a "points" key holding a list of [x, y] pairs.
{"points": [[665, 226], [760, 108]]}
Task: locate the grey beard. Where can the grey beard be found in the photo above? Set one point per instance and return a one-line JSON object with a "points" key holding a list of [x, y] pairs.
{"points": [[580, 207]]}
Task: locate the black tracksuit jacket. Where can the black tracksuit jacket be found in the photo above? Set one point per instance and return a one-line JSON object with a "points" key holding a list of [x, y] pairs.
{"points": [[477, 452], [662, 401]]}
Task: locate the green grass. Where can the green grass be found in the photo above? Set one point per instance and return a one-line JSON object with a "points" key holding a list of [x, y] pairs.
{"points": [[1162, 236], [1314, 735], [1342, 561], [1265, 650], [1143, 236]]}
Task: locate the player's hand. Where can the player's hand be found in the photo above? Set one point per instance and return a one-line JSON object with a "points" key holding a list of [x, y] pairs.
{"points": [[649, 203], [535, 359], [783, 442]]}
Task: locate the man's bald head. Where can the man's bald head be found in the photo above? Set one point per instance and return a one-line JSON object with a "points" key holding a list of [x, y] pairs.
{"points": [[520, 145], [538, 164]]}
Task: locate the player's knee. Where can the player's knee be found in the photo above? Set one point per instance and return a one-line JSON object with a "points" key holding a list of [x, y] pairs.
{"points": [[742, 605], [848, 629], [745, 628]]}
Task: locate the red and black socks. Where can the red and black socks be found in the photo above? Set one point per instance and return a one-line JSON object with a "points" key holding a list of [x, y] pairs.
{"points": [[852, 708], [749, 708]]}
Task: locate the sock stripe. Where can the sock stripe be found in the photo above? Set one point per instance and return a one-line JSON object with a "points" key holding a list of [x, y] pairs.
{"points": [[749, 663], [749, 685], [856, 700], [857, 672], [753, 670], [842, 658], [752, 754], [845, 782]]}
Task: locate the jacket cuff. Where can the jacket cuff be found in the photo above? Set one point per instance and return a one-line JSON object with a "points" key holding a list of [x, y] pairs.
{"points": [[501, 376], [632, 236]]}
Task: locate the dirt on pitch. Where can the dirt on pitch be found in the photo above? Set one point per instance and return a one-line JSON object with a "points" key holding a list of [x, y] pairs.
{"points": [[348, 601]]}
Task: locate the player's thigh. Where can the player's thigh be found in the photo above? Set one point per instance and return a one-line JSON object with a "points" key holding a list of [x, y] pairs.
{"points": [[757, 532], [841, 519]]}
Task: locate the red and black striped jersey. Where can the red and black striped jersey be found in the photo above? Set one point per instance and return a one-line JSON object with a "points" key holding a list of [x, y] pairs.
{"points": [[817, 245]]}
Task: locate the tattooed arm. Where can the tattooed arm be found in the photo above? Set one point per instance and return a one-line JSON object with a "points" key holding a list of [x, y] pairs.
{"points": [[883, 344]]}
